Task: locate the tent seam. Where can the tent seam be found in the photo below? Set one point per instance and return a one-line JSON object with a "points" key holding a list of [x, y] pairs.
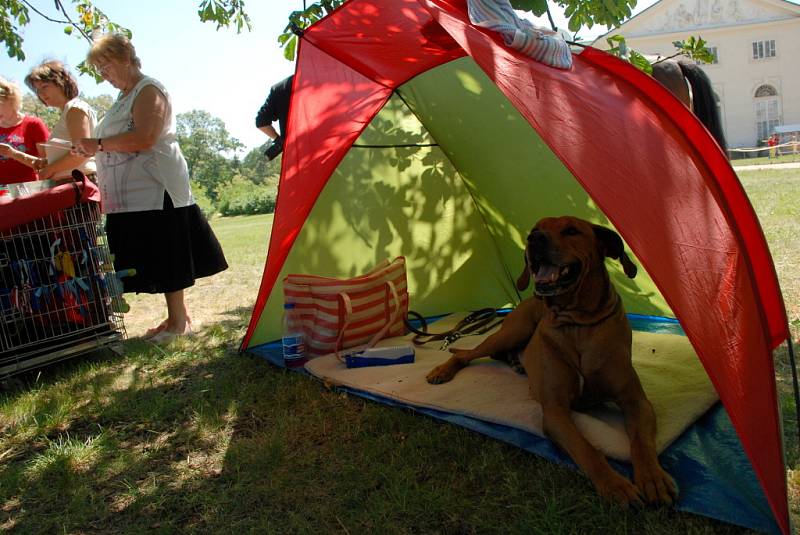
{"points": [[474, 201], [253, 320], [724, 206]]}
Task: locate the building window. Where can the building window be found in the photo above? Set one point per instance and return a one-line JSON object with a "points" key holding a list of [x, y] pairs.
{"points": [[768, 111], [713, 51], [766, 90], [764, 49]]}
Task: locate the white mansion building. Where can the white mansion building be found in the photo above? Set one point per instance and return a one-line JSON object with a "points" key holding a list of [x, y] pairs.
{"points": [[757, 46]]}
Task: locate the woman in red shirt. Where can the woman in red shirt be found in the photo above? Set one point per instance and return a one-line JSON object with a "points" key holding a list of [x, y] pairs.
{"points": [[20, 156]]}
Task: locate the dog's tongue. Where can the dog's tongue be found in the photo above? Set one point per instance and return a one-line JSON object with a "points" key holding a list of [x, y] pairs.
{"points": [[547, 274]]}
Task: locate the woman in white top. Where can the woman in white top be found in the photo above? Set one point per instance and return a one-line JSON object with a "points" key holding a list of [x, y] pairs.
{"points": [[152, 222], [56, 87]]}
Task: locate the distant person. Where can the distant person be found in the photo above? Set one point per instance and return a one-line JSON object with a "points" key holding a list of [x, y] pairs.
{"points": [[275, 108], [56, 87], [20, 134], [794, 143], [152, 221], [772, 143]]}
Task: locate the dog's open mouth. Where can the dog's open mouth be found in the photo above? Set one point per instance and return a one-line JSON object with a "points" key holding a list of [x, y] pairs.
{"points": [[554, 280]]}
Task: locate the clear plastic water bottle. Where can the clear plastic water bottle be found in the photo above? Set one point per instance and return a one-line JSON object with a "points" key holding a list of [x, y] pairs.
{"points": [[293, 340]]}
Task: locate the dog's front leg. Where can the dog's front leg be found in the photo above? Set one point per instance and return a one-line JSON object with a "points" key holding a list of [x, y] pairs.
{"points": [[559, 426], [640, 422], [516, 331], [495, 343], [449, 368], [559, 387]]}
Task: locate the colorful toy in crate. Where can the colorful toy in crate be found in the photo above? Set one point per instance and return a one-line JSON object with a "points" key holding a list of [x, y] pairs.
{"points": [[113, 282], [118, 303]]}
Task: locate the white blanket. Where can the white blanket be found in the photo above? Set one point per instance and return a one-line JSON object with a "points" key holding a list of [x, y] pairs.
{"points": [[671, 374]]}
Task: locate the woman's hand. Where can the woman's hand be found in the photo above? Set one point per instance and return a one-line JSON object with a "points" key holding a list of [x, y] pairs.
{"points": [[46, 173], [6, 150], [86, 147]]}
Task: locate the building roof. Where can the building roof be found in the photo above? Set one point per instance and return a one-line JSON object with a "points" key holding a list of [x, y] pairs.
{"points": [[736, 12]]}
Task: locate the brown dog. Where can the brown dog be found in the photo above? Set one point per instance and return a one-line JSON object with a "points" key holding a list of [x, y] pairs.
{"points": [[576, 344]]}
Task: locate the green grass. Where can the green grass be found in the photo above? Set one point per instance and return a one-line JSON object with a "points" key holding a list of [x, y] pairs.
{"points": [[766, 160], [200, 440], [773, 193], [196, 438]]}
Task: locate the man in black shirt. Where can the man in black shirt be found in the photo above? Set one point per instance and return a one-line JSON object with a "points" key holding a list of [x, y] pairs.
{"points": [[275, 108]]}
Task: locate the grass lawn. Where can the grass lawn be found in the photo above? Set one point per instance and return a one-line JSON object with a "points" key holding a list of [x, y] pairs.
{"points": [[766, 160], [195, 438]]}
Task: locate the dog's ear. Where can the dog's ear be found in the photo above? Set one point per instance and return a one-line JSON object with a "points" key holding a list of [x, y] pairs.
{"points": [[611, 246], [524, 278]]}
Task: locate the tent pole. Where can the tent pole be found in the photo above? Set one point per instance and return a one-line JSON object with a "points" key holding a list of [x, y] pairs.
{"points": [[794, 384]]}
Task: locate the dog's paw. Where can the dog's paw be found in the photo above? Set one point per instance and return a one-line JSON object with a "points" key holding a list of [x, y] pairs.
{"points": [[656, 485], [618, 489], [443, 372]]}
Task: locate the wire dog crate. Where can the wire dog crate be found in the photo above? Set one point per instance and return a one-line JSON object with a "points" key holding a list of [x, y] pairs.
{"points": [[58, 291]]}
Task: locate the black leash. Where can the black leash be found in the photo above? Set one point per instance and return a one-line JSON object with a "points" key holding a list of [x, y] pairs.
{"points": [[475, 323]]}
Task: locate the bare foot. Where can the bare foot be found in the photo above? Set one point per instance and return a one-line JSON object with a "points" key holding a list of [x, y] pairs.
{"points": [[164, 325], [178, 329], [155, 330]]}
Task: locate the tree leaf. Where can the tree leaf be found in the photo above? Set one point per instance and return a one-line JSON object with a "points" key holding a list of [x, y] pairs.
{"points": [[289, 48], [537, 7], [639, 61], [575, 23]]}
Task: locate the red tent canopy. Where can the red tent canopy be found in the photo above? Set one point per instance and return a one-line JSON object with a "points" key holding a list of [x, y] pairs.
{"points": [[645, 160]]}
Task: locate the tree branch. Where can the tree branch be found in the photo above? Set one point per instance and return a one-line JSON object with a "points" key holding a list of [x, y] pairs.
{"points": [[45, 17], [675, 55], [60, 6], [549, 16]]}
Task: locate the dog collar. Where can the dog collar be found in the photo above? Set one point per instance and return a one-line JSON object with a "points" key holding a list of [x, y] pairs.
{"points": [[558, 317]]}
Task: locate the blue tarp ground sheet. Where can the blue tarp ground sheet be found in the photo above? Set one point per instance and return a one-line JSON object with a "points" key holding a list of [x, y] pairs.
{"points": [[714, 477]]}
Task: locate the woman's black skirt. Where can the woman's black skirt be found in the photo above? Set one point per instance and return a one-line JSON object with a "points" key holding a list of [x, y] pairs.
{"points": [[169, 248]]}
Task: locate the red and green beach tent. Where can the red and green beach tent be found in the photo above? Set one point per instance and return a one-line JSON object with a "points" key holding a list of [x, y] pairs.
{"points": [[412, 132]]}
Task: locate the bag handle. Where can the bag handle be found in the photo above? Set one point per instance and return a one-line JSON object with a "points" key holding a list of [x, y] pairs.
{"points": [[348, 306], [348, 314]]}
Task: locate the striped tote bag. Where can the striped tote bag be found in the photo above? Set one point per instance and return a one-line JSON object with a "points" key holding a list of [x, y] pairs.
{"points": [[355, 313]]}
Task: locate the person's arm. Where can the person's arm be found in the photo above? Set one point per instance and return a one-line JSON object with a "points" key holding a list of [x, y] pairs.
{"points": [[269, 130], [24, 158], [266, 116], [35, 132], [149, 116], [79, 127]]}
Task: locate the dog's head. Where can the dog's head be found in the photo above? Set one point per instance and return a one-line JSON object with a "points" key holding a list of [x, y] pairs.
{"points": [[562, 250]]}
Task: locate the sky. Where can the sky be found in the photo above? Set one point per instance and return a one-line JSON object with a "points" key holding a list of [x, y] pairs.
{"points": [[225, 73]]}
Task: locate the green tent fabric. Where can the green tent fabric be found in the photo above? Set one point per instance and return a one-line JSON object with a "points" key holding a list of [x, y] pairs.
{"points": [[441, 178]]}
